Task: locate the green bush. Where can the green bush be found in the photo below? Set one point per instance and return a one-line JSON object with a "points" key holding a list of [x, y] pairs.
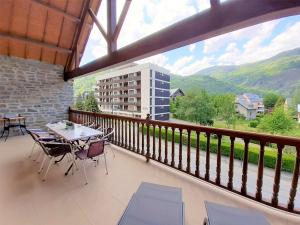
{"points": [[253, 123], [270, 156]]}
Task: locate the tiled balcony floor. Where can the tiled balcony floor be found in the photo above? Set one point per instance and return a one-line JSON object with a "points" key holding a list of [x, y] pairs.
{"points": [[26, 200]]}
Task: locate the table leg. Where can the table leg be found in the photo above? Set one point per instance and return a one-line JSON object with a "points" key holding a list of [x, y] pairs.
{"points": [[2, 132], [7, 134], [70, 167], [20, 127]]}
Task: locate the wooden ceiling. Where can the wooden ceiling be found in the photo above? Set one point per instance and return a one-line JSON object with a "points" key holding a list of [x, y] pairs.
{"points": [[46, 30]]}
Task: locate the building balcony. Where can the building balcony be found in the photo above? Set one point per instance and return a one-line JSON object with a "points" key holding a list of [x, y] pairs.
{"points": [[120, 88]]}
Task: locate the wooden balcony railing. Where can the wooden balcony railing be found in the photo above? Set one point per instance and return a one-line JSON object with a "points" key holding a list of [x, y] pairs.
{"points": [[223, 162]]}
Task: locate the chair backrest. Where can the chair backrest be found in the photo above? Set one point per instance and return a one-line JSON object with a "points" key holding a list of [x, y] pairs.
{"points": [[55, 148], [33, 135], [95, 148]]}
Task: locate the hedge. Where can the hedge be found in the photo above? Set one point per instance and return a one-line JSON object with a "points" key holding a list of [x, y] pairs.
{"points": [[270, 156]]}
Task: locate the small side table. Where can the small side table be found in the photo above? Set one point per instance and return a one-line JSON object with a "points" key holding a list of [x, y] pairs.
{"points": [[225, 215], [12, 121]]}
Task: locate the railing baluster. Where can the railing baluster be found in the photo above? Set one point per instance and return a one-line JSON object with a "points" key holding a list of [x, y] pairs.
{"points": [[245, 168], [218, 169], [207, 158], [153, 142], [173, 148], [166, 145], [159, 143], [148, 141], [276, 184], [122, 125], [126, 134], [115, 129], [138, 137], [143, 139], [133, 136], [231, 161], [129, 129], [119, 136], [197, 172], [188, 152], [294, 185], [180, 149], [260, 171]]}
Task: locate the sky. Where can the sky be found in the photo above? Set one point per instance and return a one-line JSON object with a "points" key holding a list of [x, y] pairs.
{"points": [[247, 45]]}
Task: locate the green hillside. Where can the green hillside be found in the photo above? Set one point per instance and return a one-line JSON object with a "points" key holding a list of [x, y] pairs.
{"points": [[280, 74], [210, 84], [84, 84]]}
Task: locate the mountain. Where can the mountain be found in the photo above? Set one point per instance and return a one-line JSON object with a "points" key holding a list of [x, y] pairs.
{"points": [[280, 74], [210, 84]]}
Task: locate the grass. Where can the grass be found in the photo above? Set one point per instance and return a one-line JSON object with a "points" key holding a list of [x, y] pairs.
{"points": [[288, 160]]}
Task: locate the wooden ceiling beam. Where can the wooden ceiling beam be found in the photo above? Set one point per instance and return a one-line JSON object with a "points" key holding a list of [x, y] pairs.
{"points": [[96, 21], [86, 6], [57, 10], [121, 19], [230, 16], [111, 25], [33, 42]]}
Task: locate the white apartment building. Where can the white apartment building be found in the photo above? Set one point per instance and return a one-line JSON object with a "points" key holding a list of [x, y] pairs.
{"points": [[135, 90]]}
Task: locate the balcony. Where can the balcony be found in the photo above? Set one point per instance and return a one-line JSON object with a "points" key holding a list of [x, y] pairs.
{"points": [[66, 200], [234, 172]]}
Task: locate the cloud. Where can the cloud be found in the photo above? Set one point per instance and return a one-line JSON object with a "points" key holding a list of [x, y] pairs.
{"points": [[180, 64], [192, 47], [202, 5], [255, 49], [148, 16], [159, 59], [220, 42], [196, 66]]}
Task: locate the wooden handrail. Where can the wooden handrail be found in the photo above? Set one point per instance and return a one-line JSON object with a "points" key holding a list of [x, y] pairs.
{"points": [[262, 137], [151, 139]]}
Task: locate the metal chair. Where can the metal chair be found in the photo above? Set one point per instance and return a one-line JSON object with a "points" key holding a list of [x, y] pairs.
{"points": [[39, 135], [53, 150], [94, 151]]}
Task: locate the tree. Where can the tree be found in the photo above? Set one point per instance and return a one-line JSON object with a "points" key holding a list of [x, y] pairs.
{"points": [[225, 108], [278, 122], [90, 103], [271, 99], [79, 103], [196, 107]]}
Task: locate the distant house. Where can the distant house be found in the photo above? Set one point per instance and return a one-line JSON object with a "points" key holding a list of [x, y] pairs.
{"points": [[249, 105], [287, 103], [174, 93]]}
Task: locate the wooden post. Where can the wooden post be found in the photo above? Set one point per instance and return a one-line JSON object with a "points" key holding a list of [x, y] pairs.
{"points": [[218, 169]]}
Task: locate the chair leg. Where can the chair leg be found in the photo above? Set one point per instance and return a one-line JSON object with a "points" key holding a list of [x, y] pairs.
{"points": [[37, 157], [84, 172], [113, 151], [105, 163], [32, 150], [42, 165], [50, 164]]}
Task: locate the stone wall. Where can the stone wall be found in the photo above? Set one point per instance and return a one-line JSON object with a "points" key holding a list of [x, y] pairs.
{"points": [[34, 89]]}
